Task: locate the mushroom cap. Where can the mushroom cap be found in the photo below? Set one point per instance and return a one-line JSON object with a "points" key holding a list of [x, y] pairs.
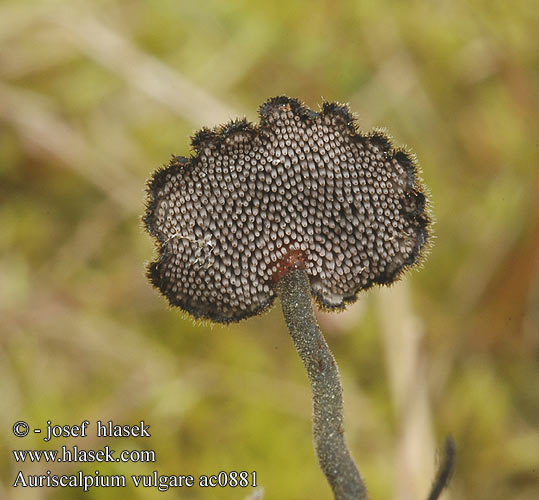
{"points": [[300, 188]]}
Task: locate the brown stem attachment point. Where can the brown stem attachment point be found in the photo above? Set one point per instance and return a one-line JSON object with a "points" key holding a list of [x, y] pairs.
{"points": [[328, 427]]}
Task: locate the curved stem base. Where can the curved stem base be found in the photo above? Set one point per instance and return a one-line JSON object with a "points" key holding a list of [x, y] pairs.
{"points": [[328, 421]]}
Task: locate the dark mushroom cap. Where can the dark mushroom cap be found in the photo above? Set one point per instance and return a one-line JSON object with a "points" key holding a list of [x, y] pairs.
{"points": [[300, 188]]}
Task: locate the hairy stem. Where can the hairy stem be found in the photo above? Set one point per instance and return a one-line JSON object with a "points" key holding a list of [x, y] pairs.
{"points": [[328, 427]]}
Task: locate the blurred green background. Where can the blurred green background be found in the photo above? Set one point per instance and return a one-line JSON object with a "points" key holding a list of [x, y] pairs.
{"points": [[94, 95]]}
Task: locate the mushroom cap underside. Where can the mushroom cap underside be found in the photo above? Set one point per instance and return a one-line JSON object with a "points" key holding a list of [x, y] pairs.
{"points": [[300, 187]]}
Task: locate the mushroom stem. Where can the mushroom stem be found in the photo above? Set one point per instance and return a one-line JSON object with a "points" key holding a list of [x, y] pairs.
{"points": [[328, 426]]}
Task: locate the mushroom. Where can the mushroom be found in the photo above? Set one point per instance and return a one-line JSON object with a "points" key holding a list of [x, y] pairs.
{"points": [[300, 205]]}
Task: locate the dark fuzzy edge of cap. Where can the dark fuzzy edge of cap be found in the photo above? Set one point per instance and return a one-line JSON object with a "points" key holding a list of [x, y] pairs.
{"points": [[213, 138], [275, 103], [154, 276], [176, 165], [421, 218]]}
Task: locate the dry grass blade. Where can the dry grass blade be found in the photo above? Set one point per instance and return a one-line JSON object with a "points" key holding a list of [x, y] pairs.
{"points": [[44, 132], [150, 75]]}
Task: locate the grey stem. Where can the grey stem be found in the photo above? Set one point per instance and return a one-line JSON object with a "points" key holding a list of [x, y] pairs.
{"points": [[328, 422]]}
